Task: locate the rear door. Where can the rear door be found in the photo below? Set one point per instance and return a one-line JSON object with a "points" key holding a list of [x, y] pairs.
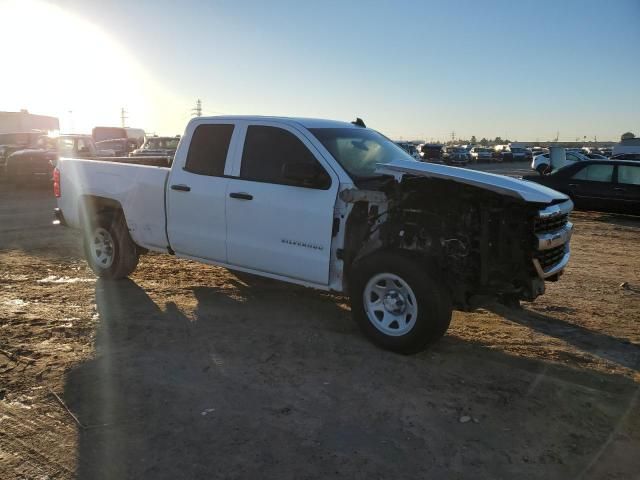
{"points": [[627, 189], [592, 186], [280, 206], [196, 192]]}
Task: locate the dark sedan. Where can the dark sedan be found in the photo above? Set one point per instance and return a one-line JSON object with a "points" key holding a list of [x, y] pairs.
{"points": [[602, 185]]}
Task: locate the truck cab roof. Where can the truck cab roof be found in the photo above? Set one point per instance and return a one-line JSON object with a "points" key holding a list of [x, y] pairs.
{"points": [[305, 122]]}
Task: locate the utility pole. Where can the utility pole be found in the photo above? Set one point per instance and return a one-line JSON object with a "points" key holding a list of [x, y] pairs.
{"points": [[453, 137], [198, 110], [123, 117]]}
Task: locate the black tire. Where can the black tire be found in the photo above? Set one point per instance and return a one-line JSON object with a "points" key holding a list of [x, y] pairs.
{"points": [[124, 251], [433, 302], [542, 169]]}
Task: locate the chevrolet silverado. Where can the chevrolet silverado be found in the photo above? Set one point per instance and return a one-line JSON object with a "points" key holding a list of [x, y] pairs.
{"points": [[330, 205]]}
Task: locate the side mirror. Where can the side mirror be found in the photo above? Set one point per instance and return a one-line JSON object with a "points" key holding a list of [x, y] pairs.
{"points": [[306, 175]]}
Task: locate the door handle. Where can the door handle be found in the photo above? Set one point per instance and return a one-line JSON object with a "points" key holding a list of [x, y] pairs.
{"points": [[618, 189], [573, 185], [181, 188], [241, 196]]}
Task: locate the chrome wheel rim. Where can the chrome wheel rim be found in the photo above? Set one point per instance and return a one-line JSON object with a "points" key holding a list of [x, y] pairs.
{"points": [[102, 249], [390, 304]]}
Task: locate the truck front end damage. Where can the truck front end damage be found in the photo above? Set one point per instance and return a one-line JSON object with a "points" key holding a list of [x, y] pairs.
{"points": [[481, 241]]}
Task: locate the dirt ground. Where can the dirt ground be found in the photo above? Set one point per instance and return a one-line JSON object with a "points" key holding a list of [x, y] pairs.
{"points": [[186, 371]]}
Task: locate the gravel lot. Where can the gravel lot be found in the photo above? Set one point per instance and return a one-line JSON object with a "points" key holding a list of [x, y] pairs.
{"points": [[187, 371]]}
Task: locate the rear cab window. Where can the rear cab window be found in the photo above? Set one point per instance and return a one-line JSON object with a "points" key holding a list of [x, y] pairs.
{"points": [[208, 149]]}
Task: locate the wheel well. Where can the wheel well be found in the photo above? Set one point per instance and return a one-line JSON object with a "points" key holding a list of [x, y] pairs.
{"points": [[429, 263], [92, 206]]}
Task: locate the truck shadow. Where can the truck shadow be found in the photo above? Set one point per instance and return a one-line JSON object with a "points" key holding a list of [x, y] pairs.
{"points": [[278, 383], [607, 347]]}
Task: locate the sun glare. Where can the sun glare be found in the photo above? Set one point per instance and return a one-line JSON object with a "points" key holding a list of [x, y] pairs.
{"points": [[57, 63]]}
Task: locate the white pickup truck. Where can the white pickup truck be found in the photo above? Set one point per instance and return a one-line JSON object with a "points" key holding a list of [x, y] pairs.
{"points": [[330, 205]]}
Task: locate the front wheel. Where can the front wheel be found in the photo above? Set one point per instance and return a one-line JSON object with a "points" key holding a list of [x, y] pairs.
{"points": [[108, 247], [396, 303]]}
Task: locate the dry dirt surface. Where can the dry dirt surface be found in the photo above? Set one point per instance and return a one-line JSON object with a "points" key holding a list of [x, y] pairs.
{"points": [[188, 371]]}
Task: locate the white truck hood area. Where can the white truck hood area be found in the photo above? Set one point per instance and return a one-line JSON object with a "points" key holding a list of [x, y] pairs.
{"points": [[527, 191]]}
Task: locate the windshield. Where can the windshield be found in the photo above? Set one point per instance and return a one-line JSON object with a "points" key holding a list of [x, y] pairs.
{"points": [[359, 150]]}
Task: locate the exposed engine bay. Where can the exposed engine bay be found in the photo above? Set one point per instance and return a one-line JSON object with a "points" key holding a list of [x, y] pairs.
{"points": [[479, 243]]}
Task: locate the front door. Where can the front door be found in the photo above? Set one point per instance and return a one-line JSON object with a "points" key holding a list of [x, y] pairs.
{"points": [[280, 207]]}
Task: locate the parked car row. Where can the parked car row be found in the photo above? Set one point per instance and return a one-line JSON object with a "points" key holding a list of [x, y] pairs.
{"points": [[30, 157], [465, 154]]}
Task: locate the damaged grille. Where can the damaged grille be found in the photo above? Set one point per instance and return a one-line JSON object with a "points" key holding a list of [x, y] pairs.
{"points": [[550, 224], [549, 258], [552, 235]]}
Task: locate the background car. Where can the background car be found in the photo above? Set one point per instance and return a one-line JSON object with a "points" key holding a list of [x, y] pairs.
{"points": [[456, 156], [121, 147], [519, 154], [481, 154], [431, 152], [626, 156], [36, 162], [157, 146], [602, 185], [542, 163], [410, 148]]}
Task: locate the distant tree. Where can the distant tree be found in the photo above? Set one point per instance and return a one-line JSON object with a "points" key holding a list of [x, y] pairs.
{"points": [[498, 141], [473, 139], [627, 135], [484, 142], [506, 140]]}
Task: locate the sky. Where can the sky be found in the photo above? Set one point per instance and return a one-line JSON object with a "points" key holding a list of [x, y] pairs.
{"points": [[522, 70]]}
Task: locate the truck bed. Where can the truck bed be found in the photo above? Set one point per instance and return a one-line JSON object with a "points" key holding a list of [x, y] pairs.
{"points": [[152, 161], [139, 189]]}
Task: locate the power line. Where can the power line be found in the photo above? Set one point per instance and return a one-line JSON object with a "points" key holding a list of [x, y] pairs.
{"points": [[198, 110]]}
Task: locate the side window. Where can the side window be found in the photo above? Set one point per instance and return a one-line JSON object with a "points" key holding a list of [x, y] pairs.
{"points": [[629, 174], [208, 149], [274, 155], [595, 173]]}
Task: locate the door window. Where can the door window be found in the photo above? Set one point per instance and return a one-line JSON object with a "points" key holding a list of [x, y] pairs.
{"points": [[274, 155], [208, 149], [629, 174], [595, 173]]}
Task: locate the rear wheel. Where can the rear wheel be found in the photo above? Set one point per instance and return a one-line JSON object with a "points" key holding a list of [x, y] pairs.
{"points": [[397, 304], [108, 247]]}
